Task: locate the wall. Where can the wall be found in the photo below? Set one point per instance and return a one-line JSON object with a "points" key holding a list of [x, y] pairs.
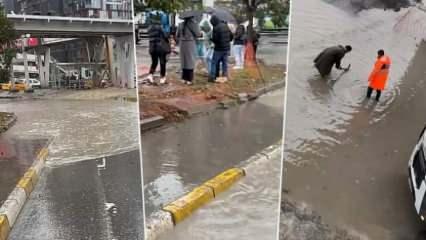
{"points": [[122, 61]]}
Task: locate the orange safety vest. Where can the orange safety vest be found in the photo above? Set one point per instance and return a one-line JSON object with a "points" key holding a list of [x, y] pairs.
{"points": [[379, 75]]}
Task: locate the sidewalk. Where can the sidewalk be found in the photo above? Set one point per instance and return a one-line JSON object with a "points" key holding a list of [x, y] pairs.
{"points": [[175, 101], [7, 119]]}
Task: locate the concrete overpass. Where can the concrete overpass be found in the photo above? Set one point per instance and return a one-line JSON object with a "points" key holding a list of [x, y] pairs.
{"points": [[118, 34], [60, 27]]}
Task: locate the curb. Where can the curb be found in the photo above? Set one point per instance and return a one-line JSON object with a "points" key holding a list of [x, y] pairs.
{"points": [[175, 212], [158, 121], [152, 122], [14, 203], [7, 125]]}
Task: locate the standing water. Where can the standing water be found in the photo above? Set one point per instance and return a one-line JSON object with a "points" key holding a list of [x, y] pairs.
{"points": [[319, 110], [249, 210], [79, 130]]}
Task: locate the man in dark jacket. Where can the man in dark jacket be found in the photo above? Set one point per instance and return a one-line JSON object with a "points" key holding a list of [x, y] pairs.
{"points": [[159, 47], [331, 56], [222, 38]]}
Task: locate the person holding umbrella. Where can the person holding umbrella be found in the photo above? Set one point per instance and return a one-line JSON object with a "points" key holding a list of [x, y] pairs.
{"points": [[187, 34]]}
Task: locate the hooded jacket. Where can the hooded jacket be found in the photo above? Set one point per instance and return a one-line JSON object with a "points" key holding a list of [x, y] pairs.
{"points": [[379, 75], [222, 36], [157, 39]]}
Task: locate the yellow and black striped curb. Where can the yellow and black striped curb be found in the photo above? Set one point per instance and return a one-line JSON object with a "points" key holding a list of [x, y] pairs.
{"points": [[177, 211], [186, 205], [14, 203]]}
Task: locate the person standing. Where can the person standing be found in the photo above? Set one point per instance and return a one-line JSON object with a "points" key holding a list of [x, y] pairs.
{"points": [[331, 56], [187, 33], [379, 75], [159, 47], [222, 38], [239, 43], [204, 44]]}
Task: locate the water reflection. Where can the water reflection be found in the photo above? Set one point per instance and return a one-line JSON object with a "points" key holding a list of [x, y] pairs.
{"points": [[320, 108]]}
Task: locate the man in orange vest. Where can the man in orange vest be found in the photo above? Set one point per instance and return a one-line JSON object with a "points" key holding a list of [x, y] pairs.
{"points": [[379, 75]]}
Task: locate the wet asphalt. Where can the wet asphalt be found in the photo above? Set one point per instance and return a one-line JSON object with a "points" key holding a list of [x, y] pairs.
{"points": [[346, 157], [183, 155], [16, 156], [93, 199], [78, 196], [249, 210]]}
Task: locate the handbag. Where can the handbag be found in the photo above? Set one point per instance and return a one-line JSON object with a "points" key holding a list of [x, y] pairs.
{"points": [[165, 45]]}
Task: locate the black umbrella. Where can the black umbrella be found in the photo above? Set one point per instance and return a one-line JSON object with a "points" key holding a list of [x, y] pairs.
{"points": [[222, 14], [190, 14]]}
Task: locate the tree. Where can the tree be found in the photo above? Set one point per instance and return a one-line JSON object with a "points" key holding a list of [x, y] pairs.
{"points": [[276, 8], [8, 38], [168, 6]]}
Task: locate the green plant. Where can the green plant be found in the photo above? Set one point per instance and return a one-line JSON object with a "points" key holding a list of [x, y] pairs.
{"points": [[169, 6], [8, 37]]}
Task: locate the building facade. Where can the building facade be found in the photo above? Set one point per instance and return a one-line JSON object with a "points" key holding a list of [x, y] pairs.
{"points": [[110, 9]]}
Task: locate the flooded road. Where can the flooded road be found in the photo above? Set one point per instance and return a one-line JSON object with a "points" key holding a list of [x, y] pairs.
{"points": [[184, 155], [345, 156], [94, 199], [91, 186], [78, 129], [249, 210]]}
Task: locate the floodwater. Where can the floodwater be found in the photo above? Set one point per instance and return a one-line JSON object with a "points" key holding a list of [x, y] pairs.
{"points": [[249, 210], [78, 130], [94, 199], [184, 155], [91, 186], [319, 111], [347, 156]]}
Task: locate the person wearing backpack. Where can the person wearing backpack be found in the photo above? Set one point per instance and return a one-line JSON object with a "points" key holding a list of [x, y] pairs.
{"points": [[159, 48], [187, 34], [222, 38]]}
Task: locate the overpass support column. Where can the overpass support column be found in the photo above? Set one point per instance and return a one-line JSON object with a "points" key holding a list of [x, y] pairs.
{"points": [[43, 56], [121, 53]]}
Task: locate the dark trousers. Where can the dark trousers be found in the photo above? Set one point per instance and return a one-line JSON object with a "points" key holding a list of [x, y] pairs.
{"points": [[188, 74], [155, 57], [370, 91], [219, 57]]}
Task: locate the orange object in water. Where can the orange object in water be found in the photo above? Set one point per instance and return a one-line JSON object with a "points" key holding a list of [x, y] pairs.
{"points": [[379, 75]]}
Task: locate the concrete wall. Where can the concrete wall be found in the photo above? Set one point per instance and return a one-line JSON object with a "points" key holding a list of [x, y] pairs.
{"points": [[122, 61]]}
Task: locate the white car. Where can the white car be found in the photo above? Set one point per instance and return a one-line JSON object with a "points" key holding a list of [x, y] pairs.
{"points": [[34, 83], [417, 175]]}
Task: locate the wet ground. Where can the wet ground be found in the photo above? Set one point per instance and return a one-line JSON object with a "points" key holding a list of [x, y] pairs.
{"points": [[183, 155], [249, 210], [77, 193], [79, 130], [16, 156], [95, 199], [345, 156]]}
